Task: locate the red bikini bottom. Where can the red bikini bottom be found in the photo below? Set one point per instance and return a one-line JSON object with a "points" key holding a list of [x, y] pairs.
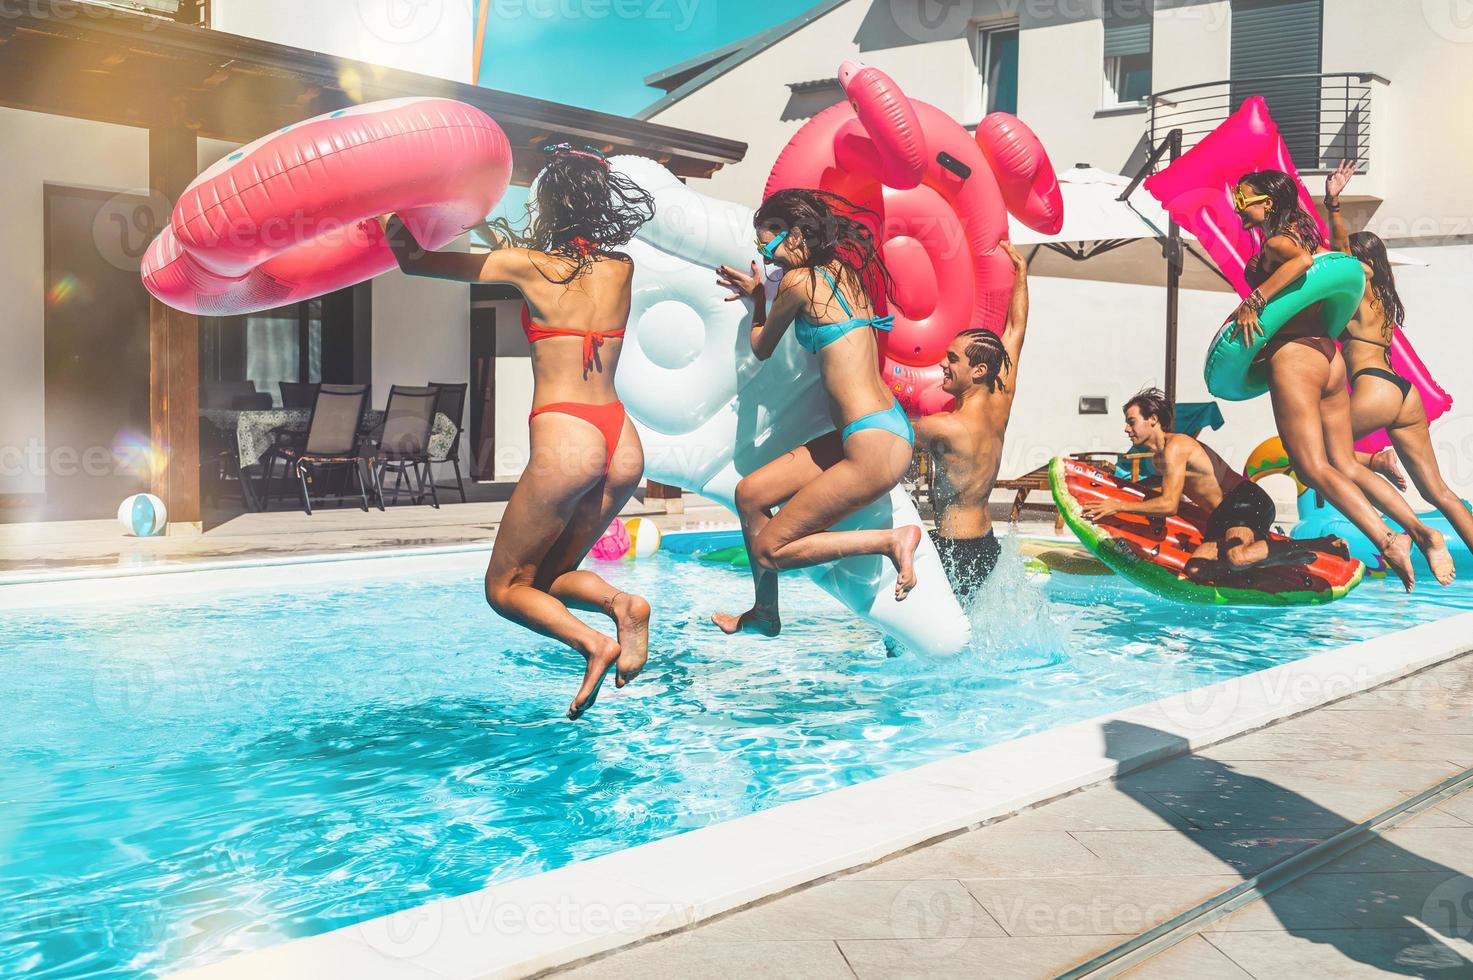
{"points": [[608, 418]]}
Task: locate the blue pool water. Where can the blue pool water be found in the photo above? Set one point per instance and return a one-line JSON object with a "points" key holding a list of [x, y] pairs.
{"points": [[219, 773]]}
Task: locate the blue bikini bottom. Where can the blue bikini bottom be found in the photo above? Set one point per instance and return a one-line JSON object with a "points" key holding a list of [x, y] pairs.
{"points": [[891, 419]]}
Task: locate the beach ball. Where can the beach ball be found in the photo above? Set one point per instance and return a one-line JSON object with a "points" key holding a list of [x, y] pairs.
{"points": [[614, 544], [644, 537], [143, 515]]}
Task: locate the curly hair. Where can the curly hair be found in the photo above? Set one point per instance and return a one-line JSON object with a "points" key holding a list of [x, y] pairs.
{"points": [[1370, 249], [832, 229], [1286, 215], [579, 208]]}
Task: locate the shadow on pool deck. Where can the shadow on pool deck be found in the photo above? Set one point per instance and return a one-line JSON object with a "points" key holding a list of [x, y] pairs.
{"points": [[1390, 907], [1040, 892]]}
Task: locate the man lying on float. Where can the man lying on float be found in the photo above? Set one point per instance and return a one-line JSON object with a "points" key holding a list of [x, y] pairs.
{"points": [[1241, 518]]}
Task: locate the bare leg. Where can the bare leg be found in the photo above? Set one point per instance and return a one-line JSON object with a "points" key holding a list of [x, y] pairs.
{"points": [[798, 537], [567, 461], [1414, 445], [1300, 382], [1335, 410], [756, 496], [1383, 463], [587, 590]]}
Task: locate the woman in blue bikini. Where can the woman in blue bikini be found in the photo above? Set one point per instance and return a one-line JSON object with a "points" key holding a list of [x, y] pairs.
{"points": [[826, 254]]}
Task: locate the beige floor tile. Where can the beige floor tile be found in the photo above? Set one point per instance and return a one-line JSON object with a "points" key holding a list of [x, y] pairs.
{"points": [[1099, 808], [1289, 907], [1356, 720], [1441, 900], [686, 956], [1451, 847], [850, 909], [1035, 958], [1194, 958], [1460, 807], [1271, 745], [1196, 852], [1091, 905], [1256, 809], [1196, 774], [986, 854], [1344, 954], [1379, 856]]}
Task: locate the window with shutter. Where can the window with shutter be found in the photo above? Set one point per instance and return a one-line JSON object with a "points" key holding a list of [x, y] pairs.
{"points": [[1127, 64], [1272, 39]]}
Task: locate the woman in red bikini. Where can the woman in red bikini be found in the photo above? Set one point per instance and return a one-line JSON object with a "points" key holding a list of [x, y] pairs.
{"points": [[586, 459], [1306, 379]]}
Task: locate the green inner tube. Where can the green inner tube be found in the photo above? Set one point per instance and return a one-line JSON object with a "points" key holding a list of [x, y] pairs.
{"points": [[1336, 281]]}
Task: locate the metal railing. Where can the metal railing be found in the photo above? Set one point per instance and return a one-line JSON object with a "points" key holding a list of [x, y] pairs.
{"points": [[1323, 118]]}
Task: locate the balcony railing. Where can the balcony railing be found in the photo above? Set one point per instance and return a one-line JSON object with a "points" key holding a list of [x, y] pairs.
{"points": [[1323, 118]]}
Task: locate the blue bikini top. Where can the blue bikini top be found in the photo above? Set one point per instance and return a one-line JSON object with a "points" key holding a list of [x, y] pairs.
{"points": [[814, 336]]}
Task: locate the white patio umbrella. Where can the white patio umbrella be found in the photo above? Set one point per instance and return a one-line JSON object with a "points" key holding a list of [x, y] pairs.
{"points": [[1108, 240]]}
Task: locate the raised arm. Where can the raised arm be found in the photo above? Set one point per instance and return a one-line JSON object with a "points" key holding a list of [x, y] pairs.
{"points": [[1017, 325], [768, 326], [505, 265], [1334, 185]]}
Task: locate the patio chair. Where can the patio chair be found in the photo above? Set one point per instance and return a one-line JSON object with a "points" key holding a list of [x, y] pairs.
{"points": [[332, 441], [298, 394], [404, 443], [451, 404]]}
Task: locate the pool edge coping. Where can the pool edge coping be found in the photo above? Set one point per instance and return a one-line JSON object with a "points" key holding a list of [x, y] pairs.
{"points": [[532, 925]]}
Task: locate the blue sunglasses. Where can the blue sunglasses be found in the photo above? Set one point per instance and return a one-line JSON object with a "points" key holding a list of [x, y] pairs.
{"points": [[769, 251]]}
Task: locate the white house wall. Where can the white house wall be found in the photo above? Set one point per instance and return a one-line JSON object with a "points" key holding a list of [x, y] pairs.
{"points": [[431, 37]]}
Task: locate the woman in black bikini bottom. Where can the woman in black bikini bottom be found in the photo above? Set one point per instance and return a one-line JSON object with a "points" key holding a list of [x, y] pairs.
{"points": [[1380, 398], [1311, 406]]}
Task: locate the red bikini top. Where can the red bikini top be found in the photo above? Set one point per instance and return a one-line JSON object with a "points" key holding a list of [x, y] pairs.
{"points": [[592, 339]]}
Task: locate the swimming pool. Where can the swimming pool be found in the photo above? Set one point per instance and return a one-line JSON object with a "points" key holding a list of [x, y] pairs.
{"points": [[220, 772]]}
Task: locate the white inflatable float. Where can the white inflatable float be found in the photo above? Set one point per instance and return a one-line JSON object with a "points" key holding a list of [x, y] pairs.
{"points": [[709, 412]]}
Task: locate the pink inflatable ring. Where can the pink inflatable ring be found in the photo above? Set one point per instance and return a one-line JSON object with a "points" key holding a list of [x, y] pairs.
{"points": [[943, 198], [290, 216]]}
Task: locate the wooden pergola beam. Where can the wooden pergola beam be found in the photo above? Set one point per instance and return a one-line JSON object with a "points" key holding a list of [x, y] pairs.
{"points": [[173, 354]]}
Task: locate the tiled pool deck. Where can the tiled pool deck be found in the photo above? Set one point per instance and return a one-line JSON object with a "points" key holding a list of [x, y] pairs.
{"points": [[1043, 891]]}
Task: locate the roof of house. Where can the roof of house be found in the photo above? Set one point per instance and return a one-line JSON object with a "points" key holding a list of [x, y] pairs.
{"points": [[140, 70], [694, 73]]}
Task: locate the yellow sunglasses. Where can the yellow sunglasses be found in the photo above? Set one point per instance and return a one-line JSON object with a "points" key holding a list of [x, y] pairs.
{"points": [[1242, 202]]}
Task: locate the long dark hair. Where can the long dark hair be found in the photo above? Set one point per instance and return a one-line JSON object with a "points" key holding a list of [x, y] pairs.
{"points": [[579, 208], [833, 228], [1286, 216], [1370, 249]]}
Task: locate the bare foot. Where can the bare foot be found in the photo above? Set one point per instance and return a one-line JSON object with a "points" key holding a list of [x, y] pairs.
{"points": [[754, 620], [632, 617], [601, 655], [1398, 555], [903, 553], [1384, 462], [1438, 557]]}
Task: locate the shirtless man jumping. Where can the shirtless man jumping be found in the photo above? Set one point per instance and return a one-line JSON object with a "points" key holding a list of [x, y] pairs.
{"points": [[1241, 513], [980, 372]]}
